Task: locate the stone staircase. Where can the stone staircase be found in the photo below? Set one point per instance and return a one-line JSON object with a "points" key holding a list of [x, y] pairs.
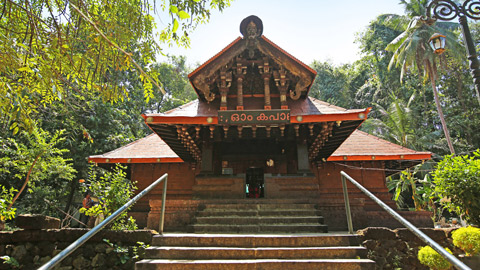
{"points": [[256, 234], [258, 216], [230, 251]]}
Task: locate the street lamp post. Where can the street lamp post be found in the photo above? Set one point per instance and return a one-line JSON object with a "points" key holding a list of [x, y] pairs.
{"points": [[447, 10]]}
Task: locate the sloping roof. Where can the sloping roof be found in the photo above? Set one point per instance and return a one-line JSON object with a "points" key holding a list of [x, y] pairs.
{"points": [[311, 109], [150, 149], [360, 146], [239, 45], [237, 40], [363, 146]]}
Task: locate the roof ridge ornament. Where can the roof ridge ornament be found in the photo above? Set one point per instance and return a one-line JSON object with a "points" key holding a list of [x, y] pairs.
{"points": [[251, 27]]}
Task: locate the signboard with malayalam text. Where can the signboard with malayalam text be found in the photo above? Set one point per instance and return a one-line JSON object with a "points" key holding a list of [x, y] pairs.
{"points": [[256, 117]]}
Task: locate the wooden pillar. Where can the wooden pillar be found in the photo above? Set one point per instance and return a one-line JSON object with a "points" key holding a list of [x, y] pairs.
{"points": [[266, 73], [240, 71], [280, 78], [225, 83]]}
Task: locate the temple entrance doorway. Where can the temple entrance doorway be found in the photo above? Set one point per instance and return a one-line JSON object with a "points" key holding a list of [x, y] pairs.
{"points": [[255, 183]]}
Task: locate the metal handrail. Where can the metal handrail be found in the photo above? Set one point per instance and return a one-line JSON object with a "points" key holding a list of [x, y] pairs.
{"points": [[452, 259], [80, 241]]}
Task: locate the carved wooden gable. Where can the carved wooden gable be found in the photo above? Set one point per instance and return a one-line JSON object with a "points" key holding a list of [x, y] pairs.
{"points": [[252, 66]]}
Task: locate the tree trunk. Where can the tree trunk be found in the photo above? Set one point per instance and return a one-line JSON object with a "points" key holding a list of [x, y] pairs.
{"points": [[439, 107], [73, 187], [26, 181], [460, 90], [478, 95]]}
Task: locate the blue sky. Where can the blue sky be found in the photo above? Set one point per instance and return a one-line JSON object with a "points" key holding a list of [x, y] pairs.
{"points": [[309, 30]]}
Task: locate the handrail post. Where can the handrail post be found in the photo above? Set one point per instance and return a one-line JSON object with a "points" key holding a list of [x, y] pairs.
{"points": [[162, 215], [347, 206]]}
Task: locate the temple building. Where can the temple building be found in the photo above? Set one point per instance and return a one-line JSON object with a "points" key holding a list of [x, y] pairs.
{"points": [[255, 137]]}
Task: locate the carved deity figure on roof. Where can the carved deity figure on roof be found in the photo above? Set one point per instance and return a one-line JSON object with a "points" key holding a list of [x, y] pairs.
{"points": [[252, 31]]}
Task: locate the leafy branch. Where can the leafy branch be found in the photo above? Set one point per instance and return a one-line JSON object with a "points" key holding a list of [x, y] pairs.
{"points": [[129, 55]]}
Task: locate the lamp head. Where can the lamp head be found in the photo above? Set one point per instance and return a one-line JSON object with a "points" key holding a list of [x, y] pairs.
{"points": [[437, 42]]}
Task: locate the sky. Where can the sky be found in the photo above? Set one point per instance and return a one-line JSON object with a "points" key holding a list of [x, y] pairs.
{"points": [[322, 30]]}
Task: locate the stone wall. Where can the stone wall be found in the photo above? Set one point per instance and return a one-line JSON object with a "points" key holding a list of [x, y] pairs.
{"points": [[106, 250], [398, 249]]}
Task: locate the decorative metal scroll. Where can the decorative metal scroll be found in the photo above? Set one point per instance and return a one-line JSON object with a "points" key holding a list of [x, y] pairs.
{"points": [[446, 10], [254, 117]]}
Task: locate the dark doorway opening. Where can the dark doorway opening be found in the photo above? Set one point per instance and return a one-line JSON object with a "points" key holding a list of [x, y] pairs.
{"points": [[255, 183]]}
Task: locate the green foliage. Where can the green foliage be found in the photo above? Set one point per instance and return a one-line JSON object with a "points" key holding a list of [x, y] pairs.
{"points": [[397, 125], [429, 257], [36, 162], [6, 197], [113, 190], [136, 253], [12, 262], [468, 240], [139, 250], [50, 48], [331, 84], [457, 178], [174, 75]]}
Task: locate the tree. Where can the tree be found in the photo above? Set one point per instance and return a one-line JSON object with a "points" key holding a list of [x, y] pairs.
{"points": [[69, 62], [410, 49], [34, 162], [174, 75], [398, 124], [330, 84], [52, 47]]}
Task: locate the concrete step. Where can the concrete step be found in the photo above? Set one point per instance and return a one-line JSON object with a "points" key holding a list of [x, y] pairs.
{"points": [[258, 240], [222, 253], [267, 228], [258, 220], [264, 264], [236, 206], [258, 201], [263, 213]]}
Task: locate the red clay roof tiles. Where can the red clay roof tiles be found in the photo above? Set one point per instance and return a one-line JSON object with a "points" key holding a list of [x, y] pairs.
{"points": [[359, 144], [363, 144]]}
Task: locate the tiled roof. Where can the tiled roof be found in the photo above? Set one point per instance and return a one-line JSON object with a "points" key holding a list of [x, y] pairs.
{"points": [[145, 150], [363, 146], [359, 146]]}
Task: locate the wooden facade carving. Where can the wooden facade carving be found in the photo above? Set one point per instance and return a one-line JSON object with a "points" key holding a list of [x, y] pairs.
{"points": [[259, 69], [320, 139], [240, 72], [225, 81]]}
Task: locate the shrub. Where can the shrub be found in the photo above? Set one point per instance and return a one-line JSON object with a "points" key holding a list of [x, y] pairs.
{"points": [[467, 239], [6, 197], [458, 180], [113, 190], [429, 257]]}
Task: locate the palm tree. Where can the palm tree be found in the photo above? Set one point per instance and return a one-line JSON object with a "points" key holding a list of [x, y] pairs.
{"points": [[410, 49], [396, 126]]}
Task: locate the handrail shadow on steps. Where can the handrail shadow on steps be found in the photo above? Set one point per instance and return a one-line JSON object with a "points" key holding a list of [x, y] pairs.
{"points": [[451, 258], [80, 241]]}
